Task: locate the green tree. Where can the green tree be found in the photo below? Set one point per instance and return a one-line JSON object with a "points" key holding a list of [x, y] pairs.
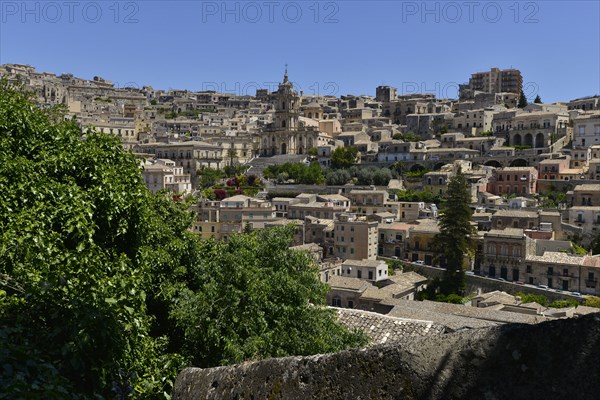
{"points": [[454, 241], [425, 196], [344, 157], [533, 298], [337, 177], [231, 154], [564, 303], [96, 272], [208, 177], [311, 174], [538, 99], [522, 100], [254, 298], [73, 275], [407, 137], [595, 245]]}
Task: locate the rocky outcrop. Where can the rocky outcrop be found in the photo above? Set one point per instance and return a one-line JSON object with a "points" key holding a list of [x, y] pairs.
{"points": [[551, 360]]}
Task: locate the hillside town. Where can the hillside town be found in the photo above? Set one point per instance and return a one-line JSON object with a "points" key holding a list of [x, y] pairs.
{"points": [[533, 171]]}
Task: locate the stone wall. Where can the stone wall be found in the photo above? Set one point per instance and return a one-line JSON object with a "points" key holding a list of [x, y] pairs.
{"points": [[475, 282], [552, 360]]}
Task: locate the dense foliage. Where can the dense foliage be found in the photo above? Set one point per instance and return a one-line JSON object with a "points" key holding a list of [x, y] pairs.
{"points": [[592, 301], [543, 300], [344, 157], [104, 293], [407, 137], [552, 199], [208, 177], [310, 174], [425, 196], [360, 175], [255, 275]]}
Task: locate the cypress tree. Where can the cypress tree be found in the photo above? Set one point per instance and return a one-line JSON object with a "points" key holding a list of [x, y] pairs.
{"points": [[522, 100], [454, 241]]}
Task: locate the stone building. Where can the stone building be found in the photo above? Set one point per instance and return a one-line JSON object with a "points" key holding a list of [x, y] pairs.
{"points": [[513, 180], [287, 135], [393, 240], [493, 81], [164, 174], [355, 238], [504, 251], [586, 130], [420, 241], [538, 130]]}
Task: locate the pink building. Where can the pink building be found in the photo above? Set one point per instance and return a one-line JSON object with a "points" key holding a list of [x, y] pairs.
{"points": [[513, 180]]}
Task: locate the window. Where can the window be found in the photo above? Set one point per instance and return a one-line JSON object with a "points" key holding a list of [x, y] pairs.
{"points": [[528, 269]]}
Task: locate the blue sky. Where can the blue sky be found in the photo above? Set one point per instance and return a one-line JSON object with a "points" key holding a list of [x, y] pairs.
{"points": [[331, 47]]}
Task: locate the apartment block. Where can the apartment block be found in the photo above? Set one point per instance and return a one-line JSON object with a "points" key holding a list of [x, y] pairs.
{"points": [[493, 81], [355, 237]]}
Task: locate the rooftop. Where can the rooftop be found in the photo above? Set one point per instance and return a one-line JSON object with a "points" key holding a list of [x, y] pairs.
{"points": [[383, 329]]}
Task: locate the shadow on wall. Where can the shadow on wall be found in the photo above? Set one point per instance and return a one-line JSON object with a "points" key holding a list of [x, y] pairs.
{"points": [[552, 360]]}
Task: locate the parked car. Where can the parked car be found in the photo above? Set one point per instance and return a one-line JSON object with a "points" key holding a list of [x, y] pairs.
{"points": [[542, 286], [419, 262], [576, 294]]}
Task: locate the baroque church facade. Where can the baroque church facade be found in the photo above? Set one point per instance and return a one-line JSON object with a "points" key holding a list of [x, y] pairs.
{"points": [[288, 134]]}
